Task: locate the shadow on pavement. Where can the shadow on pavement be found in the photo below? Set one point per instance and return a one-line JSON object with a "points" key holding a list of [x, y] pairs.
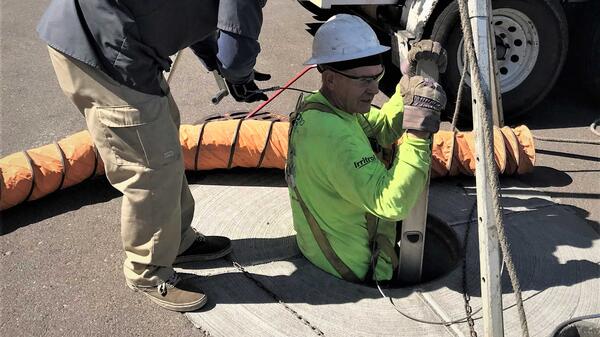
{"points": [[90, 192], [543, 176], [535, 260], [238, 177], [98, 190]]}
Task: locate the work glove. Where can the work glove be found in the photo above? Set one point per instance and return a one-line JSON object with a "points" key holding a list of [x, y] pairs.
{"points": [[424, 50], [258, 76], [424, 99], [246, 92]]}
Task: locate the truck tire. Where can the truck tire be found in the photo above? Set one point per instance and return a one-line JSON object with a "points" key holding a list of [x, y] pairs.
{"points": [[532, 43], [590, 49]]}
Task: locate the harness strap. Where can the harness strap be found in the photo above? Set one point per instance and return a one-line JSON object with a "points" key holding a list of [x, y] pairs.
{"points": [[316, 106], [385, 246], [342, 269], [372, 224]]}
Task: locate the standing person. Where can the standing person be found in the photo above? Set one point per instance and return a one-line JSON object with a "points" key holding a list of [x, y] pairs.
{"points": [[234, 48], [345, 202], [109, 57]]}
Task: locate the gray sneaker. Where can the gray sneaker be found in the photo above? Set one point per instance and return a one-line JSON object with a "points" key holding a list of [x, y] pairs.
{"points": [[174, 294]]}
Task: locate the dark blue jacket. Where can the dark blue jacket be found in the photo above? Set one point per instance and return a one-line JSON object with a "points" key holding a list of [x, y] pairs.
{"points": [[130, 40], [234, 52]]}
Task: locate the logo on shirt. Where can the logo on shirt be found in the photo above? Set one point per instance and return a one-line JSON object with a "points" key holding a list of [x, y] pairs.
{"points": [[364, 161]]}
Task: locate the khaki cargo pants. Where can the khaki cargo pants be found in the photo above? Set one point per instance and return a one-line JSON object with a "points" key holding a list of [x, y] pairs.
{"points": [[137, 136]]}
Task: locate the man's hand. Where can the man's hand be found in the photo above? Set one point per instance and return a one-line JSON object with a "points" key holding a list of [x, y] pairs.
{"points": [[424, 50], [424, 99], [249, 92], [246, 92]]}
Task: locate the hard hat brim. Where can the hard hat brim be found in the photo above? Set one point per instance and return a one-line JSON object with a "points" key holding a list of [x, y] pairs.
{"points": [[339, 58]]}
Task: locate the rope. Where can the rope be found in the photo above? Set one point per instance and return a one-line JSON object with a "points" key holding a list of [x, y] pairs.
{"points": [[459, 95], [420, 320], [491, 173]]}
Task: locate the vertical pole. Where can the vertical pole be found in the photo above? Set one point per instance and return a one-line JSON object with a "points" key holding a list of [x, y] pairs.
{"points": [[489, 254]]}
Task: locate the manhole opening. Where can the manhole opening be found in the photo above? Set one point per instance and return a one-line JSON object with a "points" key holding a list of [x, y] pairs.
{"points": [[442, 251], [580, 329]]}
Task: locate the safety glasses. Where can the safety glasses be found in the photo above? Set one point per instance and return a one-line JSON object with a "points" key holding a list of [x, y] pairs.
{"points": [[363, 80]]}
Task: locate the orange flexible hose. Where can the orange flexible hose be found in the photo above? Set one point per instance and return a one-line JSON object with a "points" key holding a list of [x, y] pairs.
{"points": [[249, 143]]}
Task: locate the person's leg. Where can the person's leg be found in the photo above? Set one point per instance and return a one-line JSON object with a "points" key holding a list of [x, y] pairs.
{"points": [[139, 144], [187, 203]]}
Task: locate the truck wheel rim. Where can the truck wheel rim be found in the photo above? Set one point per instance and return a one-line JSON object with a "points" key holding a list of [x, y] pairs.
{"points": [[517, 48]]}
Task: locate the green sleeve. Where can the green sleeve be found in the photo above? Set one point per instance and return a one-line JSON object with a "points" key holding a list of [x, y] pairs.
{"points": [[384, 124], [360, 178]]}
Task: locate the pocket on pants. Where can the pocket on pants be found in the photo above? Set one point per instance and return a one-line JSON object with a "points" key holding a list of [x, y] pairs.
{"points": [[146, 137]]}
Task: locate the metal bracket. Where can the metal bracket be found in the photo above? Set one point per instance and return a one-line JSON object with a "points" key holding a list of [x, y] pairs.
{"points": [[400, 43], [412, 239], [223, 90]]}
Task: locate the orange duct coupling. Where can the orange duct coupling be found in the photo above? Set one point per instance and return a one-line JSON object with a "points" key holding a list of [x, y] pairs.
{"points": [[32, 174], [234, 143], [227, 143], [453, 153]]}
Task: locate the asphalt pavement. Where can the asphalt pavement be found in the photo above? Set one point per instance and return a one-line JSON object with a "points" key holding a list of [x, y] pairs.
{"points": [[61, 256]]}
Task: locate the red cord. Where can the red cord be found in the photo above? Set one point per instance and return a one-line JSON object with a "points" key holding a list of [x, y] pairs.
{"points": [[290, 82]]}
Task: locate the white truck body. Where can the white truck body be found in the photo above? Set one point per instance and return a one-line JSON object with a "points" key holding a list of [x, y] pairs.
{"points": [[530, 57]]}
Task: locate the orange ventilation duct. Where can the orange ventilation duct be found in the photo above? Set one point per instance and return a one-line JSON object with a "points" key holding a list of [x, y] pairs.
{"points": [[227, 142]]}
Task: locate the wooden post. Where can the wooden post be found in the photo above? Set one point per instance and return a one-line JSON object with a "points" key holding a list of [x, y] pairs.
{"points": [[489, 252]]}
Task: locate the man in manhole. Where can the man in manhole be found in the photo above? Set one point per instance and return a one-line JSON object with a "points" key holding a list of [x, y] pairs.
{"points": [[345, 200]]}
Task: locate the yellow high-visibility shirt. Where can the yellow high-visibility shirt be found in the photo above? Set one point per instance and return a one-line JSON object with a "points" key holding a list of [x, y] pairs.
{"points": [[340, 179]]}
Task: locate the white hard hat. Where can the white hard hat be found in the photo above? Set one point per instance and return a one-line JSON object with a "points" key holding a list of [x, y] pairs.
{"points": [[344, 37]]}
